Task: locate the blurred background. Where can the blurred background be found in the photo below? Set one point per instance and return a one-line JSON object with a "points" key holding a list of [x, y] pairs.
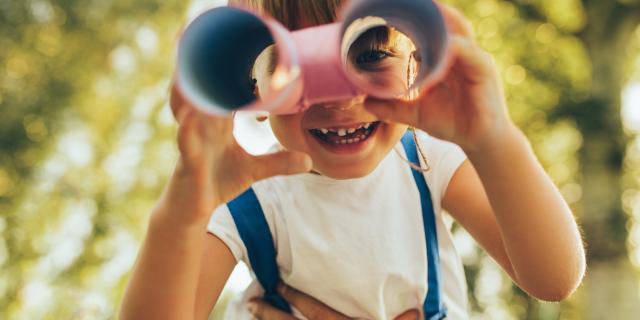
{"points": [[87, 142]]}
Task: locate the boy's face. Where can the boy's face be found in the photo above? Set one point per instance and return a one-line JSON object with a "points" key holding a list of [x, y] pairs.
{"points": [[342, 138]]}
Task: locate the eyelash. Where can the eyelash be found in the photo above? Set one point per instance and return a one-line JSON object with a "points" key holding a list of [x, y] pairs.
{"points": [[377, 54], [373, 54]]}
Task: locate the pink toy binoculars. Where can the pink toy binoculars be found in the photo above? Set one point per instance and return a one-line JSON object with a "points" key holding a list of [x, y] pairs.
{"points": [[231, 58]]}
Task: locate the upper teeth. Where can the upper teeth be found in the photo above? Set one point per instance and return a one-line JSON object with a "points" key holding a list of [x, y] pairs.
{"points": [[343, 131]]}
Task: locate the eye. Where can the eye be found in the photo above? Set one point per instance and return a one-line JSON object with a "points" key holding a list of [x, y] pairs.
{"points": [[372, 56]]}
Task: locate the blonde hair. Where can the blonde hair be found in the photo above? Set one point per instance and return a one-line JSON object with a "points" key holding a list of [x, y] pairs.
{"points": [[291, 12]]}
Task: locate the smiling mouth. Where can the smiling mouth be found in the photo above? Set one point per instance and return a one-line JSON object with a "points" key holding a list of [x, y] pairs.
{"points": [[352, 135]]}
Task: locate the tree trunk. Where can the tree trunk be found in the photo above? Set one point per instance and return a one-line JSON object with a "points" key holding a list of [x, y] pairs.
{"points": [[611, 287]]}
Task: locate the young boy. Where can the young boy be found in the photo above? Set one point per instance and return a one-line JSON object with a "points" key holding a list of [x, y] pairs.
{"points": [[346, 218]]}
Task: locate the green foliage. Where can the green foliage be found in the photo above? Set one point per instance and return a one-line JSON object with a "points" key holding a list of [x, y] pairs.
{"points": [[87, 141], [86, 147]]}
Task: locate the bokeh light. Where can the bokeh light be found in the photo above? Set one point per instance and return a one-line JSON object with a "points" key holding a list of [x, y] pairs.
{"points": [[87, 143]]}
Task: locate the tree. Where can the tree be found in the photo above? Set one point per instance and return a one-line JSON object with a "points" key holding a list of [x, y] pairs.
{"points": [[87, 142], [82, 79], [599, 38]]}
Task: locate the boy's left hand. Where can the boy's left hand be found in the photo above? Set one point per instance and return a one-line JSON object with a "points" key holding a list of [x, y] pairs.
{"points": [[467, 107]]}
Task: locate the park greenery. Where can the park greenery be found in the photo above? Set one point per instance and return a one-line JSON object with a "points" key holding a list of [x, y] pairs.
{"points": [[87, 142]]}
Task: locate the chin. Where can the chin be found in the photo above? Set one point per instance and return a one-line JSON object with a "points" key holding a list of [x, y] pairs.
{"points": [[366, 146], [343, 172]]}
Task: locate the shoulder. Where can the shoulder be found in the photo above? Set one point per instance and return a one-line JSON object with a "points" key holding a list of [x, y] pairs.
{"points": [[266, 202], [443, 158], [437, 147]]}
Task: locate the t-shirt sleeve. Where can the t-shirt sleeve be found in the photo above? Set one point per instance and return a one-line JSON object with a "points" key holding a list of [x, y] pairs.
{"points": [[222, 226], [444, 158]]}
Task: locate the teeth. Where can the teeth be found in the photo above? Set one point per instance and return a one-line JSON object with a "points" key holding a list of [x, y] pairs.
{"points": [[341, 132]]}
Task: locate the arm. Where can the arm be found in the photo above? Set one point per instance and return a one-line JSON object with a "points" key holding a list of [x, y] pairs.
{"points": [[509, 205], [177, 265], [521, 221], [308, 306], [216, 256], [181, 269]]}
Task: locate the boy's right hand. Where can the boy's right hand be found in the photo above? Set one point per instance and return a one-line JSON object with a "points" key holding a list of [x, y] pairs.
{"points": [[212, 168]]}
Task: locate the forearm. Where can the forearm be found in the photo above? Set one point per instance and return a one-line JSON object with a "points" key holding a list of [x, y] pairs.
{"points": [[164, 280], [539, 232]]}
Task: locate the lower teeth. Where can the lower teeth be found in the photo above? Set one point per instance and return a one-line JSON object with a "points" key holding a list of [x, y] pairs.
{"points": [[349, 141]]}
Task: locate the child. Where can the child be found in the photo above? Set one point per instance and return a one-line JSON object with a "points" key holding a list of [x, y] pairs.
{"points": [[350, 220]]}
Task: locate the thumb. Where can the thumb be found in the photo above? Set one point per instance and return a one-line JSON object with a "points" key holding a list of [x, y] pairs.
{"points": [[406, 112], [280, 163]]}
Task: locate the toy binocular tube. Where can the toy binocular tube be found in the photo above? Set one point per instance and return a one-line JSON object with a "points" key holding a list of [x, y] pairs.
{"points": [[232, 58]]}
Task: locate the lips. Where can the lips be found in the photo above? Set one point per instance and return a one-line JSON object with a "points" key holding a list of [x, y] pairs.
{"points": [[348, 135]]}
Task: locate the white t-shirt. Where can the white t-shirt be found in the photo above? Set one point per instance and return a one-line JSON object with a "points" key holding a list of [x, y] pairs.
{"points": [[357, 245]]}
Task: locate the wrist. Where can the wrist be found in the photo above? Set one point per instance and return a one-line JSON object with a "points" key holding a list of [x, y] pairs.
{"points": [[165, 219], [187, 201], [498, 144]]}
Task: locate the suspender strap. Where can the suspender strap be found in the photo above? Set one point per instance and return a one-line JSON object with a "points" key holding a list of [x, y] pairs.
{"points": [[433, 307], [256, 236]]}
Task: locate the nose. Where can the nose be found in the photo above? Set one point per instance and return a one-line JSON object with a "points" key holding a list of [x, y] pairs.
{"points": [[345, 104]]}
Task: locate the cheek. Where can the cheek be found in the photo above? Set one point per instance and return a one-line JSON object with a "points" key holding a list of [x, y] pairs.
{"points": [[288, 131], [393, 134]]}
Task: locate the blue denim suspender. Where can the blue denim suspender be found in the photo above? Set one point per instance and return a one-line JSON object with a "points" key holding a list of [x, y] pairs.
{"points": [[256, 236]]}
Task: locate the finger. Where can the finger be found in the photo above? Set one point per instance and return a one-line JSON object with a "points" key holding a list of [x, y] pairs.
{"points": [[473, 62], [398, 111], [309, 307], [188, 135], [412, 314], [280, 163], [456, 21], [264, 311], [177, 101], [181, 113]]}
